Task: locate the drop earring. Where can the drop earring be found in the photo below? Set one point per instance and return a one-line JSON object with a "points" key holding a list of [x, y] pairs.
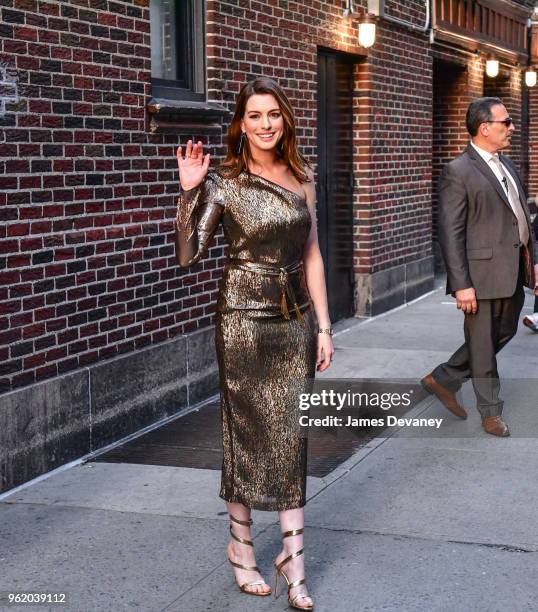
{"points": [[239, 149]]}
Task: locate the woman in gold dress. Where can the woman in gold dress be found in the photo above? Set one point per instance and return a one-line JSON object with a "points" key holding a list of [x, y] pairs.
{"points": [[268, 338]]}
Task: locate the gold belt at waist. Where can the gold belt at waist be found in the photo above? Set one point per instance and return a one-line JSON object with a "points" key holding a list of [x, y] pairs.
{"points": [[283, 273]]}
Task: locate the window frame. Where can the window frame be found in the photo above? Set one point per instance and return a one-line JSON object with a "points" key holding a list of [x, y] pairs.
{"points": [[194, 86]]}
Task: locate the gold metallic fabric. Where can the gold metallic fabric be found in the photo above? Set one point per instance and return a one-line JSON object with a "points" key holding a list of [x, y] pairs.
{"points": [[287, 293], [199, 211], [265, 331], [263, 364]]}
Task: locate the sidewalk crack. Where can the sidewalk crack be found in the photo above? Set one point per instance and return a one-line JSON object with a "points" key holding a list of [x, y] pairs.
{"points": [[396, 534]]}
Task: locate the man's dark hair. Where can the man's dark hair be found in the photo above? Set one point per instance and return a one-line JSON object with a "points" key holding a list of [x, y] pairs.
{"points": [[478, 112]]}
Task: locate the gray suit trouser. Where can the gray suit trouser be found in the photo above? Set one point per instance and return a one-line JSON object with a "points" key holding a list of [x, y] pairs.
{"points": [[486, 332]]}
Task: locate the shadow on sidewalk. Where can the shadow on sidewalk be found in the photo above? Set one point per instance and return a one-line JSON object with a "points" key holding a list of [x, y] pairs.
{"points": [[194, 441]]}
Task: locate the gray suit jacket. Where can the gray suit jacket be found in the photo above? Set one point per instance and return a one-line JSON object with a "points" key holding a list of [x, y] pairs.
{"points": [[478, 230]]}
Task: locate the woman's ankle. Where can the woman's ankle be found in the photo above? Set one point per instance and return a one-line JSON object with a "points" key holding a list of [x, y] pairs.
{"points": [[239, 550], [291, 547]]}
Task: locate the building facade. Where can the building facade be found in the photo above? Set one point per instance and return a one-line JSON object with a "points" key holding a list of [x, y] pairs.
{"points": [[100, 332]]}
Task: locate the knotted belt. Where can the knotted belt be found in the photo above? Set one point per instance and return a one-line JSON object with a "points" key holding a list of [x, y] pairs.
{"points": [[283, 273]]}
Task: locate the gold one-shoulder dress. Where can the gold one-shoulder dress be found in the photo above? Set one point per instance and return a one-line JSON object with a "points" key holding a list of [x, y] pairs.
{"points": [[265, 331]]}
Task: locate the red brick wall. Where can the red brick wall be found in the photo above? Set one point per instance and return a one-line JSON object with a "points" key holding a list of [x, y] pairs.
{"points": [[86, 269], [411, 11], [393, 161], [533, 142], [533, 119], [87, 192]]}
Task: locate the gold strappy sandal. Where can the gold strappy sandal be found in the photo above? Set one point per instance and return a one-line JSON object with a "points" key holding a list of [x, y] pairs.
{"points": [[278, 571], [251, 568]]}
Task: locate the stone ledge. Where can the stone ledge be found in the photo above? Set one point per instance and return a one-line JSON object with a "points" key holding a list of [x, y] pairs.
{"points": [[50, 423], [186, 116], [387, 289]]}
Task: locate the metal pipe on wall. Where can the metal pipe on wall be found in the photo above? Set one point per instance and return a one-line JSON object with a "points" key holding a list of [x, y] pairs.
{"points": [[377, 8]]}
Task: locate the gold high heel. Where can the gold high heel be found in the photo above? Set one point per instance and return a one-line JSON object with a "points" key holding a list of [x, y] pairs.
{"points": [[278, 571], [252, 568]]}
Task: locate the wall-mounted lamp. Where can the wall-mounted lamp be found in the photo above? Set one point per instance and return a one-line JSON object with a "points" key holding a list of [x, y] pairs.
{"points": [[530, 77], [367, 26], [492, 67], [367, 32]]}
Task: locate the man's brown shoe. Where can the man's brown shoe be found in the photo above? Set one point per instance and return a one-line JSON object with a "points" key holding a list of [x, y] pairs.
{"points": [[446, 397], [495, 426]]}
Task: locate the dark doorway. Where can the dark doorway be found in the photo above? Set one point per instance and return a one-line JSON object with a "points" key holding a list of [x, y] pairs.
{"points": [[335, 178], [451, 95]]}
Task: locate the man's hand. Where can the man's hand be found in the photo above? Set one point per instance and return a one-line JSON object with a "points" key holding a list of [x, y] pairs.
{"points": [[466, 300], [536, 279]]}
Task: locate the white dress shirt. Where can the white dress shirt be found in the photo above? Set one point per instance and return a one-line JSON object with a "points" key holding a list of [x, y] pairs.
{"points": [[499, 169], [488, 158]]}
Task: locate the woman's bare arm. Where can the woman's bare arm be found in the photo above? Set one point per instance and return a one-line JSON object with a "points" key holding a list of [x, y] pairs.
{"points": [[315, 279]]}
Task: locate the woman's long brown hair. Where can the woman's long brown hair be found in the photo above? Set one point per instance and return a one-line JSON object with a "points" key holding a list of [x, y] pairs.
{"points": [[286, 149]]}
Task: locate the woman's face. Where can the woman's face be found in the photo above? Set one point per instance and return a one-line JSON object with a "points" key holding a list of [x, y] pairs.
{"points": [[263, 122]]}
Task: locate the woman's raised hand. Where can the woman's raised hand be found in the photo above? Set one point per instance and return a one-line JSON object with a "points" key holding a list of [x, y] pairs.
{"points": [[194, 167]]}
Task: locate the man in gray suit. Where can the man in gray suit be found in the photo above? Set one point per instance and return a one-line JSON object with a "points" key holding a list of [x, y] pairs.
{"points": [[489, 252]]}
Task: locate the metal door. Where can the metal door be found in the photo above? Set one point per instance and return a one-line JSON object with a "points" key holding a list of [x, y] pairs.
{"points": [[335, 179]]}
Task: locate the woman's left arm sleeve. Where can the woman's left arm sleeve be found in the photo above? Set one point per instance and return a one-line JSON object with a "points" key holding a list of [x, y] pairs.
{"points": [[199, 211]]}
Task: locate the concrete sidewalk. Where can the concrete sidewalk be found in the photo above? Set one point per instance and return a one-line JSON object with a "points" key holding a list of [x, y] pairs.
{"points": [[408, 523]]}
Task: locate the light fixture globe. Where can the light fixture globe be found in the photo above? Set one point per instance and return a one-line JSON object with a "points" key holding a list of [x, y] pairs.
{"points": [[367, 32], [492, 67], [530, 77]]}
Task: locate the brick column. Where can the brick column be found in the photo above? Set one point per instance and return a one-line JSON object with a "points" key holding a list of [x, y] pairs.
{"points": [[532, 180], [393, 259]]}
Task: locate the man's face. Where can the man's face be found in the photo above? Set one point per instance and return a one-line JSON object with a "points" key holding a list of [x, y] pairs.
{"points": [[496, 133]]}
